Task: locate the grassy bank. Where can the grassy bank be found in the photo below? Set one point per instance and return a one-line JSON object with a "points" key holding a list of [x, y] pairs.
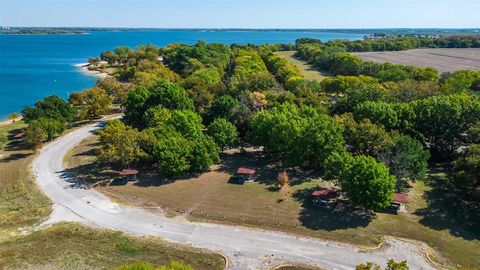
{"points": [[72, 246], [210, 197], [307, 70], [22, 204]]}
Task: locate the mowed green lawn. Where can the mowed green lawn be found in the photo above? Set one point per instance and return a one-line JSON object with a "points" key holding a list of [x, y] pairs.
{"points": [[309, 72], [73, 246], [210, 197]]}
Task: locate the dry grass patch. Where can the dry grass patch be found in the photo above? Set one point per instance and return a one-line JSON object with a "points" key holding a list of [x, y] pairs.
{"points": [[22, 204], [307, 70], [72, 246]]}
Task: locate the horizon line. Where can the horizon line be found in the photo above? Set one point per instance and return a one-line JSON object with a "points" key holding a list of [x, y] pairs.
{"points": [[249, 28]]}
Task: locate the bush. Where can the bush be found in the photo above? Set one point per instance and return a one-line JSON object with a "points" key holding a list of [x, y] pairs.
{"points": [[223, 133], [367, 183]]}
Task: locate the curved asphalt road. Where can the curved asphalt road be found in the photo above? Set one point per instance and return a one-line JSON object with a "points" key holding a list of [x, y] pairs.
{"points": [[244, 248]]}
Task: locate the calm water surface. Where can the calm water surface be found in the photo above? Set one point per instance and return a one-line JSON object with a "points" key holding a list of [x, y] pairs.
{"points": [[34, 66]]}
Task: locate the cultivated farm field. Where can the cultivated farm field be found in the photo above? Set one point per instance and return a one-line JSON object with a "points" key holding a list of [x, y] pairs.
{"points": [[444, 60]]}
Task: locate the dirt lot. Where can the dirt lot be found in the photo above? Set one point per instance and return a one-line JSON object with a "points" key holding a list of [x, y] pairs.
{"points": [[444, 60]]}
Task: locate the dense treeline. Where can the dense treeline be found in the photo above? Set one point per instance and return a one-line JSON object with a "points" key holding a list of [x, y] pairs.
{"points": [[372, 128], [399, 43], [337, 61]]}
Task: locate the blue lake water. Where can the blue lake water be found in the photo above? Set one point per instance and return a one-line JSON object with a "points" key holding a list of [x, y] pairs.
{"points": [[35, 66]]}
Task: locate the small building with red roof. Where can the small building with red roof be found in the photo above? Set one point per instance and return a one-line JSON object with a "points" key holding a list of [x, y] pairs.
{"points": [[246, 174], [129, 174], [323, 196], [399, 202]]}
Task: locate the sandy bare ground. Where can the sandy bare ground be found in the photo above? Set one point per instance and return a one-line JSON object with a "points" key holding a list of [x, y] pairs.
{"points": [[444, 60], [95, 73], [244, 248]]}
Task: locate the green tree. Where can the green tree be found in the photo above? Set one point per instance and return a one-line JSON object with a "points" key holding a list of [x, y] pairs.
{"points": [[135, 106], [439, 120], [425, 74], [50, 107], [473, 133], [187, 122], [223, 132], [120, 143], [364, 137], [391, 265], [51, 127], [109, 57], [204, 153], [345, 64], [35, 137], [320, 138], [406, 158], [172, 152], [221, 107], [95, 103], [116, 90], [358, 95], [13, 117], [394, 74], [297, 136], [410, 90], [94, 61], [378, 112], [157, 116], [367, 183], [466, 173], [170, 96]]}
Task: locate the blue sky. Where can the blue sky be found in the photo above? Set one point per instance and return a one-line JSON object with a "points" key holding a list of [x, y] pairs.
{"points": [[243, 13]]}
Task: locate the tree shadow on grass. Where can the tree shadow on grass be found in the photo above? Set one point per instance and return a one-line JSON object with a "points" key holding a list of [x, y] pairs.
{"points": [[266, 173], [447, 211], [91, 174], [340, 214], [14, 157]]}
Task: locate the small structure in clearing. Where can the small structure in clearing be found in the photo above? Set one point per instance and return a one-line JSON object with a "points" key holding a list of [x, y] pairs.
{"points": [[19, 135], [129, 174], [323, 196], [399, 201], [245, 175]]}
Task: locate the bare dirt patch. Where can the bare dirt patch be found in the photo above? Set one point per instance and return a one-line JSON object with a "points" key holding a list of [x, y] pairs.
{"points": [[443, 60]]}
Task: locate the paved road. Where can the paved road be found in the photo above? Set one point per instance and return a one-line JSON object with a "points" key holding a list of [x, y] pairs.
{"points": [[244, 248]]}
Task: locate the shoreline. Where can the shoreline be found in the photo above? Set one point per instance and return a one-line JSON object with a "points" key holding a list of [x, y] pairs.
{"points": [[8, 122], [93, 73]]}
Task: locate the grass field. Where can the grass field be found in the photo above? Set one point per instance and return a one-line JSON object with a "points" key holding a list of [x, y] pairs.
{"points": [[309, 72], [21, 202], [72, 246], [444, 60], [210, 196]]}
